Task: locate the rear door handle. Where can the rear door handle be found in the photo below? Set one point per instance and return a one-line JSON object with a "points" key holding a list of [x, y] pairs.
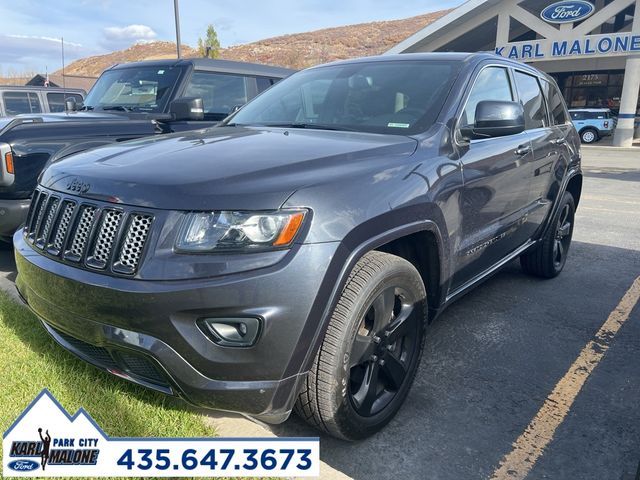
{"points": [[523, 150], [559, 141]]}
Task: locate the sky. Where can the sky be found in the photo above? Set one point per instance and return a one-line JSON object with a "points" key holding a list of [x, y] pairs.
{"points": [[31, 29]]}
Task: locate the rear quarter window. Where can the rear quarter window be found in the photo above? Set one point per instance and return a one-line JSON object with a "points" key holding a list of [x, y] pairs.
{"points": [[16, 103], [555, 103], [535, 115]]}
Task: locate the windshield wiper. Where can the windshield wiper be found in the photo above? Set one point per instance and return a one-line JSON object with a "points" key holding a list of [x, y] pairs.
{"points": [[315, 126], [117, 107]]}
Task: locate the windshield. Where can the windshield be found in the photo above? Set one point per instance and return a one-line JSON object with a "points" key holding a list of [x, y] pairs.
{"points": [[397, 97], [145, 89]]}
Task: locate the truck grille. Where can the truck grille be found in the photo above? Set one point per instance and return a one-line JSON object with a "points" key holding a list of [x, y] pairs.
{"points": [[84, 233]]}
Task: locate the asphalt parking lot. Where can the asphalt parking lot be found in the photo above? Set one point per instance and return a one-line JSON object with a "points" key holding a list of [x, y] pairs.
{"points": [[494, 357]]}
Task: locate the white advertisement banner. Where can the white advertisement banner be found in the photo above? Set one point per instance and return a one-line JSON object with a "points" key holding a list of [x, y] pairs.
{"points": [[45, 441]]}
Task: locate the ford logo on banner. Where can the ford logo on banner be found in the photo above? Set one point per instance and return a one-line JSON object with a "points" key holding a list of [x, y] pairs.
{"points": [[567, 12], [23, 465]]}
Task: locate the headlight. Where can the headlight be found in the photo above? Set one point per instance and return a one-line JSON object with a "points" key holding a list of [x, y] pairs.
{"points": [[248, 231]]}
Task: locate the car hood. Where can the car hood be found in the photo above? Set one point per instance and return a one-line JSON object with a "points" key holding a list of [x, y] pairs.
{"points": [[232, 168]]}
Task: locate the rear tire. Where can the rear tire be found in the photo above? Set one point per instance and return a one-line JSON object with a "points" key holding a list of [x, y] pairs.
{"points": [[548, 258], [366, 364], [589, 135]]}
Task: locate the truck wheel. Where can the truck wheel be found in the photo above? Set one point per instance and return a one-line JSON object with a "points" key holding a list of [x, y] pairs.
{"points": [[589, 135], [548, 258], [368, 359]]}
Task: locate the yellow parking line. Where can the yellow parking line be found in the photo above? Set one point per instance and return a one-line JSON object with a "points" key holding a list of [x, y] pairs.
{"points": [[529, 447]]}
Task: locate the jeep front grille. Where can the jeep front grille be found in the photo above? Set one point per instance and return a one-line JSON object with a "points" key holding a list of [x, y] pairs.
{"points": [[100, 237]]}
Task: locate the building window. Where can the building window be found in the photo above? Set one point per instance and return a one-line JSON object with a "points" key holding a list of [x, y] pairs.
{"points": [[592, 89]]}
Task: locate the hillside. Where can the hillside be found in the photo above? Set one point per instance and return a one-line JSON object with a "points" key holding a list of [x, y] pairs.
{"points": [[297, 50], [93, 66], [301, 50]]}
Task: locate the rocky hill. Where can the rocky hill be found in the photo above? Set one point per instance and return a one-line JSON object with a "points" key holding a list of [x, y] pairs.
{"points": [[297, 50], [93, 66]]}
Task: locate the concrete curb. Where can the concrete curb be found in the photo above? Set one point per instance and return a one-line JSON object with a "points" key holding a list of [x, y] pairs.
{"points": [[230, 425], [605, 149]]}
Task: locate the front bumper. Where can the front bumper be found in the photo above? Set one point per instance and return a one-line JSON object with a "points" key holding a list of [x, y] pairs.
{"points": [[12, 214], [146, 332]]}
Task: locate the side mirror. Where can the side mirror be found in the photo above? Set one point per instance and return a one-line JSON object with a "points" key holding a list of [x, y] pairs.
{"points": [[70, 104], [188, 108], [495, 118]]}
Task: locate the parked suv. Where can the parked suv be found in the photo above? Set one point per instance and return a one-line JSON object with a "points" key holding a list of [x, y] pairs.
{"points": [[128, 101], [16, 100], [292, 257], [592, 123]]}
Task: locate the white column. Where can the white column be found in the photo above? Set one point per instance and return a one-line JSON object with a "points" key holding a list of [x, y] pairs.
{"points": [[623, 136], [502, 32]]}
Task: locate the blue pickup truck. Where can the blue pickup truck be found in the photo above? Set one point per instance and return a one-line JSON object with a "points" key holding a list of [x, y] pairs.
{"points": [[592, 123]]}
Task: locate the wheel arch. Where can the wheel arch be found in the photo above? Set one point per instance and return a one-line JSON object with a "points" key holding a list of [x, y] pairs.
{"points": [[402, 241], [574, 187], [422, 250]]}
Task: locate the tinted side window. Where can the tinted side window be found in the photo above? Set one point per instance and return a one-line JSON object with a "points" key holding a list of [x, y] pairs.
{"points": [[535, 115], [578, 115], [56, 100], [219, 93], [264, 83], [16, 103], [555, 103], [491, 84]]}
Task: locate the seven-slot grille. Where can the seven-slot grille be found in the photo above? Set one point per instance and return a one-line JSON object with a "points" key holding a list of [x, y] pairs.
{"points": [[99, 237]]}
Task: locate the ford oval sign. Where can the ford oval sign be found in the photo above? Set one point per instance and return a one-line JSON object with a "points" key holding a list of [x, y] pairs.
{"points": [[23, 465], [567, 12]]}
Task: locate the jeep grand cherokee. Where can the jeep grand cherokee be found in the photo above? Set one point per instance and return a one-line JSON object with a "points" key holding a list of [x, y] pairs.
{"points": [[293, 257]]}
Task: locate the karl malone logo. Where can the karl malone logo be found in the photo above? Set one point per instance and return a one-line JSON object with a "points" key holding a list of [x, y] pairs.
{"points": [[567, 12], [73, 441]]}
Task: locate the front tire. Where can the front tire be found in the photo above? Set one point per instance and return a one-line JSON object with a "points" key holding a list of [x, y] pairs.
{"points": [[589, 135], [549, 257], [368, 359]]}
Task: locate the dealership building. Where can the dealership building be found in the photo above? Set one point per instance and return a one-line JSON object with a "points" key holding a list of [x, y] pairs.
{"points": [[591, 48]]}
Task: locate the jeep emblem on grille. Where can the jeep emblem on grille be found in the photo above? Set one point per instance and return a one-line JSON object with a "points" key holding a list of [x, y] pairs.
{"points": [[76, 185]]}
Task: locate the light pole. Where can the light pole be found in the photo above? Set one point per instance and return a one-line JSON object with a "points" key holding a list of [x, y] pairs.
{"points": [[177, 18]]}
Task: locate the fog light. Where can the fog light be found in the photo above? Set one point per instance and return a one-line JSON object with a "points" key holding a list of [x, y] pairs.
{"points": [[231, 332]]}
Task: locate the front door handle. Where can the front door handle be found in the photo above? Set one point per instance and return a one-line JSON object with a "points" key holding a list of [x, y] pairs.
{"points": [[523, 150]]}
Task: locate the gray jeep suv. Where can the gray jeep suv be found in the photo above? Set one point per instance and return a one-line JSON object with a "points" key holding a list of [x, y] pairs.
{"points": [[292, 257]]}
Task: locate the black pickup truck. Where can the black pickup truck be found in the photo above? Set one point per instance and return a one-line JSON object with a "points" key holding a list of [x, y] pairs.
{"points": [[128, 101]]}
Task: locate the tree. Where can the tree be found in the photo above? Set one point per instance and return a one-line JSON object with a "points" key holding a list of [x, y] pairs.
{"points": [[210, 46]]}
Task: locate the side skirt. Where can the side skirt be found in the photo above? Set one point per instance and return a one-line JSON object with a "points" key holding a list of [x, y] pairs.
{"points": [[461, 290]]}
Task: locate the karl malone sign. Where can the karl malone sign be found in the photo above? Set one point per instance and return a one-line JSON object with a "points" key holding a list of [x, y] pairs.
{"points": [[585, 46]]}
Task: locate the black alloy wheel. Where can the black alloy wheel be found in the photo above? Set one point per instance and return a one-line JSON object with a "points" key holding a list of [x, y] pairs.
{"points": [[382, 350], [549, 256], [562, 237], [364, 368]]}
